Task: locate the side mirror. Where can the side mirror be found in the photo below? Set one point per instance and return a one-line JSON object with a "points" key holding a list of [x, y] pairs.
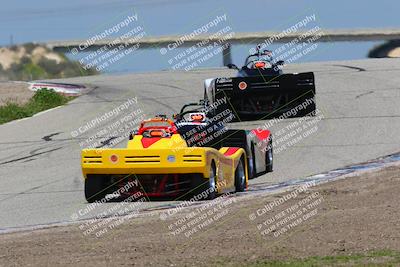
{"points": [[232, 66], [280, 62]]}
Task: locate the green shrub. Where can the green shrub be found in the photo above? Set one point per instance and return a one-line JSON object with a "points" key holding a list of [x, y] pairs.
{"points": [[12, 111], [42, 100], [45, 99]]}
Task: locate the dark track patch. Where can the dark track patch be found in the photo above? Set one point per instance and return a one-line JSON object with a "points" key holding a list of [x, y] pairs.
{"points": [[351, 67], [48, 137]]}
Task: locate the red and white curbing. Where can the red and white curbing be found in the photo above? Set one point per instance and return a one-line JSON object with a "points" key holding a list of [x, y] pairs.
{"points": [[62, 88]]}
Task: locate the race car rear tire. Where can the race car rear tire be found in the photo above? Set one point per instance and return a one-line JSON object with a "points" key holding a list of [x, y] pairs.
{"points": [[95, 188], [269, 157], [309, 111], [205, 189], [240, 176], [252, 163]]}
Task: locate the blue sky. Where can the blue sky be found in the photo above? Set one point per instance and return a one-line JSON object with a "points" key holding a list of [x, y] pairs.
{"points": [[46, 20], [75, 19]]}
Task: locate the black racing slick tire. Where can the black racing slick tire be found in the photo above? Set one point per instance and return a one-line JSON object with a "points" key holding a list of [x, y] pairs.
{"points": [[269, 157], [211, 185], [206, 189], [95, 188], [240, 176], [252, 163]]}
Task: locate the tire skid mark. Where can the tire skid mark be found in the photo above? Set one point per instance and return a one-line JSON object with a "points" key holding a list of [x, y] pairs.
{"points": [[32, 153], [48, 137], [31, 189], [351, 67], [364, 94], [169, 86]]}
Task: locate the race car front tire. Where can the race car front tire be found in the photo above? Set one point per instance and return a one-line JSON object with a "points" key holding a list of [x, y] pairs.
{"points": [[95, 188]]}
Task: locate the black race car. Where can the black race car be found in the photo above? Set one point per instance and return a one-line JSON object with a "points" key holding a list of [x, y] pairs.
{"points": [[261, 90], [200, 128]]}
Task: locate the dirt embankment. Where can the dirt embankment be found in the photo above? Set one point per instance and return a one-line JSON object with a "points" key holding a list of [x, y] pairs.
{"points": [[17, 93], [356, 215], [14, 55]]}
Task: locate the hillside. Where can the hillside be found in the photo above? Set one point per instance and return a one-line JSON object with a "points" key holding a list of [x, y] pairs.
{"points": [[32, 62]]}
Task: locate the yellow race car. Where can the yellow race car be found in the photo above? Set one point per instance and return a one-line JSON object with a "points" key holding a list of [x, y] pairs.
{"points": [[158, 162]]}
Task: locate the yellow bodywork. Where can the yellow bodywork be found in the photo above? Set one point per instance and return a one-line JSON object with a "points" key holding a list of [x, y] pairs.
{"points": [[166, 156]]}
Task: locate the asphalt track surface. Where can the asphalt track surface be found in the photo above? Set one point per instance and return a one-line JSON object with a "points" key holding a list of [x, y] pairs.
{"points": [[40, 175]]}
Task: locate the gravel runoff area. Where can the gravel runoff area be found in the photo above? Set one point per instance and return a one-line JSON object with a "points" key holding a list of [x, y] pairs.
{"points": [[358, 215]]}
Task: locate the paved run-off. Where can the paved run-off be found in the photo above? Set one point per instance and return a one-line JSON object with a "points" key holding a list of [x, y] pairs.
{"points": [[40, 177]]}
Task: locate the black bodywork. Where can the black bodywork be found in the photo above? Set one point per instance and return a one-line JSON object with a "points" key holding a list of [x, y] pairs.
{"points": [[226, 136], [264, 93]]}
